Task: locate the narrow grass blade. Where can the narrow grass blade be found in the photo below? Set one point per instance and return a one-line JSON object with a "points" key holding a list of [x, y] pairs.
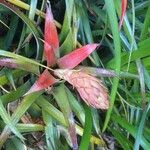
{"points": [[75, 27], [147, 78], [141, 52], [26, 31], [66, 27], [4, 24], [9, 75], [96, 119], [84, 144], [145, 25], [139, 132], [114, 27]]}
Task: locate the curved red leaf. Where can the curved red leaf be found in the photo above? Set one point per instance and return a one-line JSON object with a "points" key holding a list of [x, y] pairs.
{"points": [[44, 81], [123, 11], [72, 59], [51, 44]]}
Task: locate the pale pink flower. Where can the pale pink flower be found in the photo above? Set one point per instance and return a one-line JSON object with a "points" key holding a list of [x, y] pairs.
{"points": [[91, 89]]}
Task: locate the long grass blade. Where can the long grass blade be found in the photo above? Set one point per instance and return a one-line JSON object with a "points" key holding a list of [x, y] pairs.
{"points": [[114, 26]]}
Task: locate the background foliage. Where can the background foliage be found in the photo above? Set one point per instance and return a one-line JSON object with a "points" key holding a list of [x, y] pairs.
{"points": [[40, 120]]}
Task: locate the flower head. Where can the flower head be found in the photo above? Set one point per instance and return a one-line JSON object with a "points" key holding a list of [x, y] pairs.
{"points": [[91, 89]]}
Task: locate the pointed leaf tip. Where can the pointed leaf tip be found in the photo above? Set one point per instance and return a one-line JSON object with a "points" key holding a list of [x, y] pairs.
{"points": [[50, 31], [51, 44], [44, 81], [123, 11], [72, 59]]}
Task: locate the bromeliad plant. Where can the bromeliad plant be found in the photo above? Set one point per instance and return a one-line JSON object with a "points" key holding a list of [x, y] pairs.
{"points": [[91, 89]]}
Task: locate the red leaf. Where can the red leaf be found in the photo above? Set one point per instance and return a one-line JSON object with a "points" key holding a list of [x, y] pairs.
{"points": [[49, 55], [44, 81], [51, 44], [123, 11], [72, 59]]}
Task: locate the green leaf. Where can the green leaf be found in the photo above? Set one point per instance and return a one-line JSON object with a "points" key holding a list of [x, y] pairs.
{"points": [[141, 52], [84, 144], [9, 75], [51, 110], [11, 32], [131, 129], [140, 129], [96, 120], [15, 94], [23, 128], [29, 23], [7, 119], [21, 109], [76, 106], [58, 116], [24, 105], [66, 27], [32, 10], [67, 45], [123, 141], [51, 132], [146, 25], [15, 73], [61, 97], [21, 59], [16, 144], [85, 28], [114, 27]]}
